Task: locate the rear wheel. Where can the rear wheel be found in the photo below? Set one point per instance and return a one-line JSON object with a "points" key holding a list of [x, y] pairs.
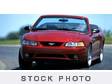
{"points": [[100, 59], [24, 64]]}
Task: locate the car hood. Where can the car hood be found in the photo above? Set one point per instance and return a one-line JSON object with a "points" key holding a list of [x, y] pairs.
{"points": [[55, 35]]}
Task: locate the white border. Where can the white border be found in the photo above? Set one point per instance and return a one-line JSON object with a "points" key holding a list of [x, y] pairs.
{"points": [[49, 71], [55, 6], [16, 77]]}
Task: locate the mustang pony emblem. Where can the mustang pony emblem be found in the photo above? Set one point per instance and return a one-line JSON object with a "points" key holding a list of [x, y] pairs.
{"points": [[51, 44]]}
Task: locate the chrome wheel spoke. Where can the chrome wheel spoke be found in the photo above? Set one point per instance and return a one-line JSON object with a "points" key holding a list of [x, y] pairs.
{"points": [[89, 57], [101, 56], [89, 60]]}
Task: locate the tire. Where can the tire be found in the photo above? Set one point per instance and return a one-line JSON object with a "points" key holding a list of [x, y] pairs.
{"points": [[24, 64], [101, 55], [88, 62]]}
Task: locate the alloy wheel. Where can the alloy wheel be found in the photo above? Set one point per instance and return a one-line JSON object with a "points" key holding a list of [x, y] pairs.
{"points": [[89, 58]]}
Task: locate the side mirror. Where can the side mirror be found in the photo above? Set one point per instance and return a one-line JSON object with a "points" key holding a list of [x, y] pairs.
{"points": [[95, 30], [24, 29], [27, 28]]}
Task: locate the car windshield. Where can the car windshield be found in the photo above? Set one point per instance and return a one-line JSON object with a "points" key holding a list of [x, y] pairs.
{"points": [[68, 24]]}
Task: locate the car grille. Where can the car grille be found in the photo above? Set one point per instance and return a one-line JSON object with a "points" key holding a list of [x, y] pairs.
{"points": [[51, 43]]}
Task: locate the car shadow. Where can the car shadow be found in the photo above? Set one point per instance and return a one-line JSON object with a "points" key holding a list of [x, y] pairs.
{"points": [[62, 67], [54, 67]]}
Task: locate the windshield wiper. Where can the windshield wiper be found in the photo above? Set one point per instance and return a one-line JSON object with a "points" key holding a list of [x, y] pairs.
{"points": [[64, 29], [52, 29], [68, 29], [39, 29]]}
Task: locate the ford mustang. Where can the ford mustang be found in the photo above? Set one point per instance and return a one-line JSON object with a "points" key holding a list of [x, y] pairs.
{"points": [[61, 38]]}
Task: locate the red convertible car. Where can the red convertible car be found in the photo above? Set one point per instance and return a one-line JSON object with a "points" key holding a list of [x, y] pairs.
{"points": [[61, 38]]}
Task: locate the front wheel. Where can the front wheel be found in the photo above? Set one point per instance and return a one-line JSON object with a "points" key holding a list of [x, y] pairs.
{"points": [[88, 62], [24, 64]]}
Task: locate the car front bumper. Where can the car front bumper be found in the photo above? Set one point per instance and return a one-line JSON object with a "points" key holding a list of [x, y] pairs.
{"points": [[54, 53]]}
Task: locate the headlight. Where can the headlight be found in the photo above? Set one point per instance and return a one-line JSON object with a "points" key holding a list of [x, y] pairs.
{"points": [[74, 44], [28, 42]]}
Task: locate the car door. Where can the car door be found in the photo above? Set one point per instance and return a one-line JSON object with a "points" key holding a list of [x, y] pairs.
{"points": [[95, 40]]}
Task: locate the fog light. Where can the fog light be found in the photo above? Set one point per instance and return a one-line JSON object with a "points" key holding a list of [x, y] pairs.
{"points": [[72, 56], [26, 55], [75, 57], [34, 62]]}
